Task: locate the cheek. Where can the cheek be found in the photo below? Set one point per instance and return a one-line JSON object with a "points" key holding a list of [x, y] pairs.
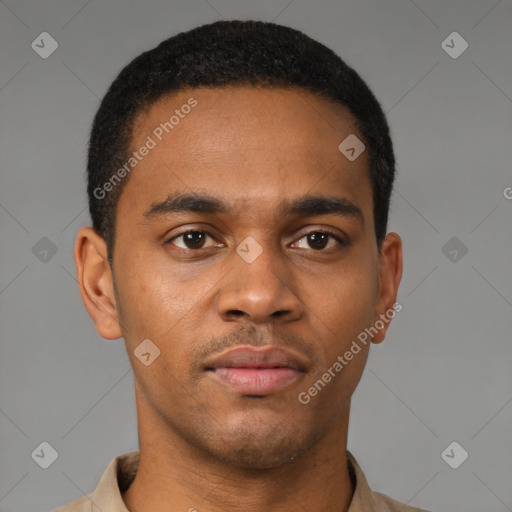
{"points": [[158, 306], [342, 312], [345, 301], [153, 301]]}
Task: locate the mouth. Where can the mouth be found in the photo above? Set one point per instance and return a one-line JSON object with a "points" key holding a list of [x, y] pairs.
{"points": [[257, 371]]}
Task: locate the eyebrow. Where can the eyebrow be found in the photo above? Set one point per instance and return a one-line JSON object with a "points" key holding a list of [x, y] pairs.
{"points": [[308, 205]]}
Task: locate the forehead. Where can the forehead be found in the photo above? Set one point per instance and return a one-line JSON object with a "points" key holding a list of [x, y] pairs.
{"points": [[253, 144], [234, 113]]}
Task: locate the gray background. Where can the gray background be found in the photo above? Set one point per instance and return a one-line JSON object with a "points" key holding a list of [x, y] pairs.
{"points": [[443, 373]]}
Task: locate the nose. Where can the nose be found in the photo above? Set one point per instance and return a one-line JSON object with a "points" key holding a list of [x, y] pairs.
{"points": [[261, 291]]}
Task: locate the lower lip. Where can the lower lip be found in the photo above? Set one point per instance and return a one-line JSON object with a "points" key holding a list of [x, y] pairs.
{"points": [[257, 381]]}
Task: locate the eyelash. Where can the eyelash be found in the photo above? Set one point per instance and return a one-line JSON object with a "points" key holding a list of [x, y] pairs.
{"points": [[340, 241]]}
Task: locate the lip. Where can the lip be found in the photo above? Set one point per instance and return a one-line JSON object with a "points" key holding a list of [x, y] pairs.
{"points": [[257, 371]]}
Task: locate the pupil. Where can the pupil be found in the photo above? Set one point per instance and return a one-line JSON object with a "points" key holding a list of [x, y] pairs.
{"points": [[194, 238], [318, 240]]}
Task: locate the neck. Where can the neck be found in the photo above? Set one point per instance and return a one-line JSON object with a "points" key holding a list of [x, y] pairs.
{"points": [[174, 476]]}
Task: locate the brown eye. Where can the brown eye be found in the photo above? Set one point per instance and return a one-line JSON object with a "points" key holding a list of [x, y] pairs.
{"points": [[191, 239], [319, 240]]}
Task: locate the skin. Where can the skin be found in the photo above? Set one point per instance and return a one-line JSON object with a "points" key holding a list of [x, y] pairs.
{"points": [[202, 444]]}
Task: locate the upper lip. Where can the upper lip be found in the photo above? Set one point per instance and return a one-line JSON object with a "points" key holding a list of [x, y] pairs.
{"points": [[257, 357]]}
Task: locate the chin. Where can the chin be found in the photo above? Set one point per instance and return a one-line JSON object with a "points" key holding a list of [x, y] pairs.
{"points": [[257, 446], [250, 455]]}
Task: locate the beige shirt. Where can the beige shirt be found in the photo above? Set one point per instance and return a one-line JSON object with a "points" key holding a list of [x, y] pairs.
{"points": [[122, 470]]}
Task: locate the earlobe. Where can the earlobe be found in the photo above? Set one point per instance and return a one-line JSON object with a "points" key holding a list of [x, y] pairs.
{"points": [[95, 282], [391, 265]]}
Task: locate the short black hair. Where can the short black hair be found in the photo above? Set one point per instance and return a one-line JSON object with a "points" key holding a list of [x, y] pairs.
{"points": [[226, 53]]}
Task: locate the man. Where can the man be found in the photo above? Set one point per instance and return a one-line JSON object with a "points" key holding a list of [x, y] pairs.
{"points": [[239, 184]]}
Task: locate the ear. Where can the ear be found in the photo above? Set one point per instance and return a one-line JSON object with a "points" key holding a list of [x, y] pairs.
{"points": [[389, 279], [95, 282]]}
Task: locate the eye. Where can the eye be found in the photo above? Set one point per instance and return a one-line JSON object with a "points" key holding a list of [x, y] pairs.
{"points": [[318, 240], [192, 240]]}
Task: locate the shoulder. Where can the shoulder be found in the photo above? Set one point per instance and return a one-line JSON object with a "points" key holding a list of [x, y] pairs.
{"points": [[82, 504], [107, 496], [384, 503]]}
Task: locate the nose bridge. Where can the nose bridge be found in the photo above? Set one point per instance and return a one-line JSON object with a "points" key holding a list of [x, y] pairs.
{"points": [[259, 285]]}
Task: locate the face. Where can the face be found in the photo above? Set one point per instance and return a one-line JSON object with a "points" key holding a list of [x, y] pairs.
{"points": [[274, 247]]}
